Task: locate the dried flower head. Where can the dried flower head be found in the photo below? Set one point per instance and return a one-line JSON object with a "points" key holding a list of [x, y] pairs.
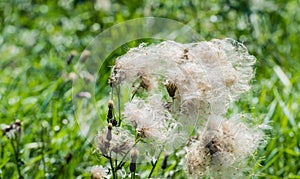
{"points": [[150, 119], [114, 142], [222, 147], [84, 56], [217, 70], [13, 130], [202, 79], [98, 172]]}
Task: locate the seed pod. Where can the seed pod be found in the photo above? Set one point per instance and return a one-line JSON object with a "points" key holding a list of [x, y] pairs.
{"points": [[110, 104], [84, 56], [114, 122], [109, 135], [134, 154], [165, 162], [71, 57], [110, 110], [171, 88]]}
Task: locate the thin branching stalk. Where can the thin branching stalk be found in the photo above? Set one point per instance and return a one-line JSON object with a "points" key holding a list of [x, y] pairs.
{"points": [[135, 92], [154, 165], [122, 161], [112, 167], [116, 164], [119, 103], [112, 92]]}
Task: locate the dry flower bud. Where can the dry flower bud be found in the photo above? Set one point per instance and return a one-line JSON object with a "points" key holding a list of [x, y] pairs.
{"points": [[18, 123], [110, 104], [145, 83], [71, 57], [165, 162], [110, 126], [114, 122], [109, 135], [84, 56], [134, 154], [171, 88]]}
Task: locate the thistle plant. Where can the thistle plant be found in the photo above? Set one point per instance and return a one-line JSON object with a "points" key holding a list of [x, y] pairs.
{"points": [[176, 92]]}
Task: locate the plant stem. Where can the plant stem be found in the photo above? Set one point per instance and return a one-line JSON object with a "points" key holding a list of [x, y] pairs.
{"points": [[116, 164], [133, 175], [153, 167], [112, 92], [119, 103], [121, 162], [17, 158], [112, 167], [43, 148]]}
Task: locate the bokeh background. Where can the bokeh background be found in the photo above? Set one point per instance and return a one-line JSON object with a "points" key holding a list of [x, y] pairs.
{"points": [[37, 37]]}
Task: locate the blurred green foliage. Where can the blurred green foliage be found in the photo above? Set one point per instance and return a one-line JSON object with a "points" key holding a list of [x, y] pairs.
{"points": [[37, 37]]}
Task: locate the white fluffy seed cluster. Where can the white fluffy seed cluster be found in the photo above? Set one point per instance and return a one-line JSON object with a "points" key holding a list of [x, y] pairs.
{"points": [[98, 172], [201, 79], [222, 148], [204, 73], [150, 119], [114, 143]]}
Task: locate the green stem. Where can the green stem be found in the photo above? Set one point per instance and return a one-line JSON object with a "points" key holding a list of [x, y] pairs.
{"points": [[153, 167], [17, 158], [43, 148]]}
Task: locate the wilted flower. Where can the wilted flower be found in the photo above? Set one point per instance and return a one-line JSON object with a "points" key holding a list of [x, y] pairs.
{"points": [[186, 87], [150, 119], [203, 72], [223, 145], [98, 172], [13, 130], [114, 142], [84, 56]]}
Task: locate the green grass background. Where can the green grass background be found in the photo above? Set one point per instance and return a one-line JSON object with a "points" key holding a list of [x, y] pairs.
{"points": [[37, 37]]}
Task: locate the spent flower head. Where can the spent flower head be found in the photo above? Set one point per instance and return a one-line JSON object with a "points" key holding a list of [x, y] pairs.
{"points": [[98, 172], [114, 141], [223, 145], [150, 119]]}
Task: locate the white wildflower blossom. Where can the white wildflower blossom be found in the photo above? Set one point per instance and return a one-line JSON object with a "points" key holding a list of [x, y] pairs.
{"points": [[223, 146], [98, 172]]}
